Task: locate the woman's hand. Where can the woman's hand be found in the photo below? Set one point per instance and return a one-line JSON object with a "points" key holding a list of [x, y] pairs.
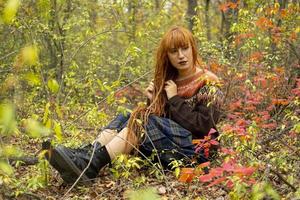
{"points": [[170, 88], [149, 91]]}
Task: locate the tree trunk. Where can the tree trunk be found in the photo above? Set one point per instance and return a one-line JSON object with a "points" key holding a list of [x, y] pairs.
{"points": [[191, 13], [228, 18], [207, 21], [157, 5], [132, 10]]}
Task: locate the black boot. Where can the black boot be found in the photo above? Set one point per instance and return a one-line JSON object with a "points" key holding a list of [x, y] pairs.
{"points": [[71, 162]]}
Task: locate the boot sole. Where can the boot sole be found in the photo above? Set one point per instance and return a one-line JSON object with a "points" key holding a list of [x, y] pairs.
{"points": [[59, 158]]}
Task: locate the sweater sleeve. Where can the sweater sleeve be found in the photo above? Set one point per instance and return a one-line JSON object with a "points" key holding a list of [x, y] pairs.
{"points": [[198, 119]]}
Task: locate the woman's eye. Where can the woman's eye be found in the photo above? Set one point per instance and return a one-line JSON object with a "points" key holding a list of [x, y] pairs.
{"points": [[173, 50], [185, 48]]}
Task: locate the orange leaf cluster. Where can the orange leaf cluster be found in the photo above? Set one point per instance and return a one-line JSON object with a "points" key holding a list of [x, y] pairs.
{"points": [[187, 174], [264, 23], [228, 5], [239, 38], [256, 56], [280, 102]]}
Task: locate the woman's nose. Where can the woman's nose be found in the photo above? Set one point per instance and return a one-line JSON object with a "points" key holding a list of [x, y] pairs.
{"points": [[180, 53]]}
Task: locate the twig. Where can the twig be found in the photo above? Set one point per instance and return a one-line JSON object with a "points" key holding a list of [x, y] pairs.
{"points": [[91, 38], [283, 179], [70, 123], [275, 136], [92, 155], [7, 55]]}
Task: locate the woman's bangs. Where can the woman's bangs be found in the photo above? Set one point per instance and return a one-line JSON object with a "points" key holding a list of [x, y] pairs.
{"points": [[176, 40]]}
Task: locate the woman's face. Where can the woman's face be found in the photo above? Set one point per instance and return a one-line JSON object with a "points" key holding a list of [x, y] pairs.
{"points": [[181, 58]]}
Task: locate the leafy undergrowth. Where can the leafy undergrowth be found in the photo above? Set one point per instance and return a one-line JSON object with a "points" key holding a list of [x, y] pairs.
{"points": [[256, 57]]}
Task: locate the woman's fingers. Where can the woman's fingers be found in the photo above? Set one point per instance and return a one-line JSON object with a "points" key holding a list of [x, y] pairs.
{"points": [[170, 82]]}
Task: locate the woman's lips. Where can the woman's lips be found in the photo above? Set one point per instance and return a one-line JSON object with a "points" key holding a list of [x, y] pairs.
{"points": [[182, 62]]}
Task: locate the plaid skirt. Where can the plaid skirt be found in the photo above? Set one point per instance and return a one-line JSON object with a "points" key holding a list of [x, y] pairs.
{"points": [[165, 137]]}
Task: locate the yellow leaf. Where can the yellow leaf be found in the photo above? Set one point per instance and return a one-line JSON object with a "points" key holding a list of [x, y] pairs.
{"points": [[35, 129], [32, 79], [29, 55], [7, 119], [57, 131], [10, 10], [53, 85], [6, 168]]}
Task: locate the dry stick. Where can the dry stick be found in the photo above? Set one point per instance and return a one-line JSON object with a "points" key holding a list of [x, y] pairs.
{"points": [[280, 140], [94, 148], [99, 195], [272, 170], [11, 53], [276, 135], [283, 179], [84, 43]]}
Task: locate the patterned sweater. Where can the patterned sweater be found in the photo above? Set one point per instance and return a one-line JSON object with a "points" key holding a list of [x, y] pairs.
{"points": [[196, 107]]}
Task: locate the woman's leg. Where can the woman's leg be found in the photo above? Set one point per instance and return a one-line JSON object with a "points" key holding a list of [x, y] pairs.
{"points": [[122, 143], [106, 136]]}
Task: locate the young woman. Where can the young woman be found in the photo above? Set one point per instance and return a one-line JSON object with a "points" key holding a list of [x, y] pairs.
{"points": [[183, 104]]}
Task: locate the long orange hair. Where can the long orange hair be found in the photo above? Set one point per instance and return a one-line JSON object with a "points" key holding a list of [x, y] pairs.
{"points": [[175, 37]]}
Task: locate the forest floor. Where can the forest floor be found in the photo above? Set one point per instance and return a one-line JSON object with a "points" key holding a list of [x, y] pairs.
{"points": [[105, 186]]}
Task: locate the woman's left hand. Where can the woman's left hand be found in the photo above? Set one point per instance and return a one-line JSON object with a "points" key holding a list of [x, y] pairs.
{"points": [[170, 88]]}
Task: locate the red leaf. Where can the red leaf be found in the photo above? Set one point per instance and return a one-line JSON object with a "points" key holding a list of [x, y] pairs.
{"points": [[216, 171], [227, 151], [214, 142], [245, 171], [206, 152], [212, 131], [217, 181], [202, 165], [205, 178], [251, 181], [229, 184], [223, 7], [269, 126], [235, 105], [228, 167], [232, 5]]}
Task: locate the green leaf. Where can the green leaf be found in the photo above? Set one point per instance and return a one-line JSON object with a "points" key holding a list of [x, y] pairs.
{"points": [[6, 168], [35, 129], [10, 10], [145, 194], [177, 172], [296, 128], [30, 55], [53, 85], [33, 79], [46, 113], [7, 119], [9, 151], [58, 131]]}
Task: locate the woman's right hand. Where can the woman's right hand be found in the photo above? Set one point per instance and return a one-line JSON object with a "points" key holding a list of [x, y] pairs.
{"points": [[149, 91]]}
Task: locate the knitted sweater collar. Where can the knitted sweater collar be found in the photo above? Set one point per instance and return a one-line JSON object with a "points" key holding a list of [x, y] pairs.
{"points": [[188, 87]]}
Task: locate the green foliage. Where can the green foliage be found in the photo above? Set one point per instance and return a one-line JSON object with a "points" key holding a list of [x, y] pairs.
{"points": [[145, 194], [124, 166], [7, 119], [10, 11], [63, 61], [264, 190]]}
